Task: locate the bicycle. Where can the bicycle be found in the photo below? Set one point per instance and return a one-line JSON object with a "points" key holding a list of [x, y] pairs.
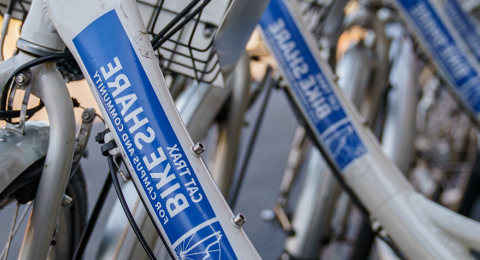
{"points": [[396, 131], [229, 230]]}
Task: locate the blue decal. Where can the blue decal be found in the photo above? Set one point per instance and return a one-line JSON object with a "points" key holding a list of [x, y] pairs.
{"points": [[160, 163], [465, 27], [310, 85], [445, 51]]}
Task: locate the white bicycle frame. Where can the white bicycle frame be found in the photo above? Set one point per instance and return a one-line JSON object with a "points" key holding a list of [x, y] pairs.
{"points": [[108, 40], [173, 182], [421, 228]]}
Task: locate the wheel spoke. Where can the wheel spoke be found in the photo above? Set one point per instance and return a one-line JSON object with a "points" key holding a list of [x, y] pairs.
{"points": [[22, 217], [15, 227], [11, 235]]}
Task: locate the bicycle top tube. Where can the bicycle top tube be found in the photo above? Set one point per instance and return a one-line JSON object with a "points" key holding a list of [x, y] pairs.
{"points": [[117, 58], [445, 46]]}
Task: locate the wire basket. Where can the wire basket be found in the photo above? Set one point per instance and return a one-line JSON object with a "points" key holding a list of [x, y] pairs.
{"points": [[188, 29], [20, 10]]}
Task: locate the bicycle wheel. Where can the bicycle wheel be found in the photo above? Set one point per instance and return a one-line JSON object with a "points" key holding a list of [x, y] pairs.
{"points": [[72, 217]]}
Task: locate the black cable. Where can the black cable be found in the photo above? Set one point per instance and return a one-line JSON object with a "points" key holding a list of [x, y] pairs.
{"points": [[96, 115], [180, 26], [172, 23], [10, 6], [80, 249], [121, 198], [26, 66], [238, 184], [7, 115], [393, 247]]}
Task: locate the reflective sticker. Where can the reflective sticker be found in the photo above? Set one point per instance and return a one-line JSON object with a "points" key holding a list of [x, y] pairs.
{"points": [[445, 50], [161, 166], [310, 85], [465, 27]]}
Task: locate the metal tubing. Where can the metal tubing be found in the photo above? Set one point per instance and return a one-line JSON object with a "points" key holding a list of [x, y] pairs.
{"points": [[93, 218], [316, 204], [48, 200], [126, 209], [39, 30], [295, 161], [379, 184], [114, 240], [236, 187], [225, 165], [399, 129], [198, 106], [312, 224]]}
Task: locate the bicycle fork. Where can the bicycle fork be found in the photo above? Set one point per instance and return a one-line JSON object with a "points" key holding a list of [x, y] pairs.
{"points": [[48, 84]]}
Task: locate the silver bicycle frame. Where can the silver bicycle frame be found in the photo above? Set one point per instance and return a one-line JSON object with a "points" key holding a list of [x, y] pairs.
{"points": [[421, 228], [48, 84]]}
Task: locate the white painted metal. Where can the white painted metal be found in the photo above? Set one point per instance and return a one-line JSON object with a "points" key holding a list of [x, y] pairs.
{"points": [[399, 129], [70, 18], [391, 199], [198, 106]]}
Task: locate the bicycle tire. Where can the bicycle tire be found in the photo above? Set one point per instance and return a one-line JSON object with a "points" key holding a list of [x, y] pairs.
{"points": [[72, 218]]}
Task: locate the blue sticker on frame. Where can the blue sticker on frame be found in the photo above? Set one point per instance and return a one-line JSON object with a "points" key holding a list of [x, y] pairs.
{"points": [[310, 85], [160, 163], [464, 25], [445, 50]]}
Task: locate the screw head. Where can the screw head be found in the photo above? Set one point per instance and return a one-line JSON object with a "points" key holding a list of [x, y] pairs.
{"points": [[83, 131], [208, 32], [67, 201], [86, 116], [239, 220], [21, 79], [198, 149]]}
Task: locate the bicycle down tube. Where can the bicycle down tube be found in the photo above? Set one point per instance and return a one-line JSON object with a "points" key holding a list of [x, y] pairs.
{"points": [[446, 42], [411, 220], [109, 42]]}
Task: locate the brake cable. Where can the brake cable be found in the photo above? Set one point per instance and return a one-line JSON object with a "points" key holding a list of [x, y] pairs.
{"points": [[6, 114]]}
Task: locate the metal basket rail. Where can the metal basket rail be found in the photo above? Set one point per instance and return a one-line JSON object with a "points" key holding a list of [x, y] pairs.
{"points": [[187, 30], [20, 10], [314, 13]]}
